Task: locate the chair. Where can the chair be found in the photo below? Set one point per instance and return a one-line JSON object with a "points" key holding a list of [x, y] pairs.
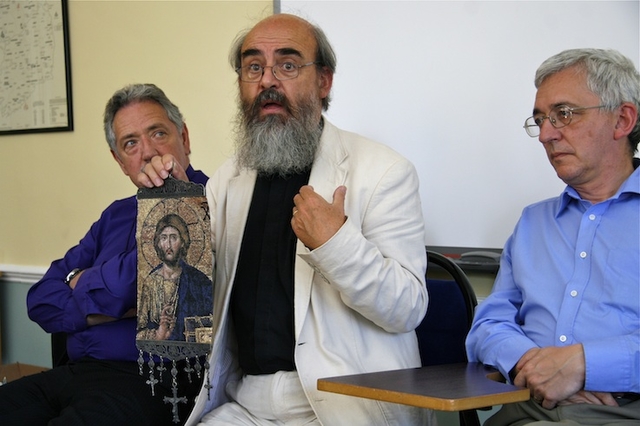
{"points": [[442, 333], [446, 381]]}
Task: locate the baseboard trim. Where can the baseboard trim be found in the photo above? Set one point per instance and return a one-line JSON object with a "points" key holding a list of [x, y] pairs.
{"points": [[21, 274]]}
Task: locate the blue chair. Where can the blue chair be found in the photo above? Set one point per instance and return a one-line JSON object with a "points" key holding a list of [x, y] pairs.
{"points": [[442, 333]]}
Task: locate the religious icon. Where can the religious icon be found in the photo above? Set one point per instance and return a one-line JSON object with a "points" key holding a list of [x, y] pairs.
{"points": [[172, 290], [175, 290]]}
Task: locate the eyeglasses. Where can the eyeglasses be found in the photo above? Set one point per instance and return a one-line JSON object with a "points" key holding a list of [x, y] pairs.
{"points": [[559, 117], [285, 71]]}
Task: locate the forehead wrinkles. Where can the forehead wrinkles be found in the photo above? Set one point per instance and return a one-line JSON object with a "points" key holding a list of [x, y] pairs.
{"points": [[278, 39], [137, 118]]}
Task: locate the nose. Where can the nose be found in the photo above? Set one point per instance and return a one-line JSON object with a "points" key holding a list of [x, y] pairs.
{"points": [[547, 131], [268, 77], [148, 149]]}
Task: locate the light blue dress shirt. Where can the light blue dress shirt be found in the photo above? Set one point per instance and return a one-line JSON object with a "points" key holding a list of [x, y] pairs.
{"points": [[569, 273]]}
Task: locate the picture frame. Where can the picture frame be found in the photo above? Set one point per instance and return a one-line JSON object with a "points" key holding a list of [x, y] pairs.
{"points": [[35, 73]]}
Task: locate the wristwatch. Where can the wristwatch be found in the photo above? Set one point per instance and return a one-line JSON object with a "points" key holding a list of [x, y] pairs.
{"points": [[71, 274]]}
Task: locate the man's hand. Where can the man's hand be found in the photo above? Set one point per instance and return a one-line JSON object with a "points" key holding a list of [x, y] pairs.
{"points": [[315, 220], [595, 398], [552, 374], [158, 169], [167, 323]]}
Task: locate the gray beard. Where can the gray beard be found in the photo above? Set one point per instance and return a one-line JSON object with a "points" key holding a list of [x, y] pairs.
{"points": [[277, 145]]}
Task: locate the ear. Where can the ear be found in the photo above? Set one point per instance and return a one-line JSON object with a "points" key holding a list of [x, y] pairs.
{"points": [[120, 163], [186, 142], [325, 82], [627, 119]]}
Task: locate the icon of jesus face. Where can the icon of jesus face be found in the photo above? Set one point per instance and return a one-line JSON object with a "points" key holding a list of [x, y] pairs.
{"points": [[170, 245], [171, 239]]}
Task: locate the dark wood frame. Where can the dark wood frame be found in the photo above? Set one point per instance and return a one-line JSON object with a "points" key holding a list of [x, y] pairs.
{"points": [[67, 74]]}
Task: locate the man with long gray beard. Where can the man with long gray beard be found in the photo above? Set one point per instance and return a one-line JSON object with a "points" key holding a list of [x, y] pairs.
{"points": [[319, 247]]}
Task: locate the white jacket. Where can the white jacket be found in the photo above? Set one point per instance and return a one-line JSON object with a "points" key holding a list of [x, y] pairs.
{"points": [[358, 297]]}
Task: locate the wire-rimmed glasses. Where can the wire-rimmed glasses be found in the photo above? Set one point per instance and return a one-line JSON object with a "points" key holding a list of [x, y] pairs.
{"points": [[559, 117], [252, 73]]}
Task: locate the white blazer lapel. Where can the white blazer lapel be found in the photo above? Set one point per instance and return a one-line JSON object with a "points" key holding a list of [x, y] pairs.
{"points": [[328, 172], [237, 210], [330, 166]]}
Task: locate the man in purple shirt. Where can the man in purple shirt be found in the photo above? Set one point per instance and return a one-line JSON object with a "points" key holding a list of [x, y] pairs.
{"points": [[90, 294]]}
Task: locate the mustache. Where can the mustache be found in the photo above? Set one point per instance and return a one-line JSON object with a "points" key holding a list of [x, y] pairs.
{"points": [[269, 95]]}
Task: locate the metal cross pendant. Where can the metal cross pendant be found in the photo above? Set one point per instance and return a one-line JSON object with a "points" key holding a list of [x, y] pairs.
{"points": [[174, 401], [189, 369], [152, 380]]}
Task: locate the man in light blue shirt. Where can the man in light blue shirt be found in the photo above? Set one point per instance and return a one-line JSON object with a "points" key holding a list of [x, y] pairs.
{"points": [[564, 315]]}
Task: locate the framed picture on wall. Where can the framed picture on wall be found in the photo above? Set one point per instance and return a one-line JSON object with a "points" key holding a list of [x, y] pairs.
{"points": [[35, 71]]}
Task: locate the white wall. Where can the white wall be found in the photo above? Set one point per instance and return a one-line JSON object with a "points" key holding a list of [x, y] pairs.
{"points": [[449, 85]]}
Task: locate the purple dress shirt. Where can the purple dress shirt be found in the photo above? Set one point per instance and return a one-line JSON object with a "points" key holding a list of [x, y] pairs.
{"points": [[107, 255]]}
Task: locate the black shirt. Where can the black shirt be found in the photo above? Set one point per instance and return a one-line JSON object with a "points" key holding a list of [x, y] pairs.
{"points": [[262, 296]]}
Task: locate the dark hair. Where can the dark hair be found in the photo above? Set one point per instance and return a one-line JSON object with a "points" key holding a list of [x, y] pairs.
{"points": [[174, 221], [138, 93]]}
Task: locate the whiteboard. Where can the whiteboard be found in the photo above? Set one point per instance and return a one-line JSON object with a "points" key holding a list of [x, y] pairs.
{"points": [[448, 84]]}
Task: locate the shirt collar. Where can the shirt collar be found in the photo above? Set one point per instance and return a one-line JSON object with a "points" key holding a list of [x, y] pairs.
{"points": [[629, 186]]}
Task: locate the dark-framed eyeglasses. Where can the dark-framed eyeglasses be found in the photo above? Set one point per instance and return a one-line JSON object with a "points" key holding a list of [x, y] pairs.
{"points": [[559, 117], [252, 73]]}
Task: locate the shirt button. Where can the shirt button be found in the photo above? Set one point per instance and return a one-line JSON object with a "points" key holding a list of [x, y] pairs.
{"points": [[583, 254], [563, 338], [592, 217], [574, 293]]}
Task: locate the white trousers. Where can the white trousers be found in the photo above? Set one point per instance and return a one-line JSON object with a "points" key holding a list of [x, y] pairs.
{"points": [[271, 399]]}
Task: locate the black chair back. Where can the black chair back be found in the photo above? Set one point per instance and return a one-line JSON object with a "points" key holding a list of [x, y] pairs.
{"points": [[442, 333]]}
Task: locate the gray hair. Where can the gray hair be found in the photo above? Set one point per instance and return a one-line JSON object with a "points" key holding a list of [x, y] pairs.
{"points": [[325, 55], [610, 75], [138, 93]]}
